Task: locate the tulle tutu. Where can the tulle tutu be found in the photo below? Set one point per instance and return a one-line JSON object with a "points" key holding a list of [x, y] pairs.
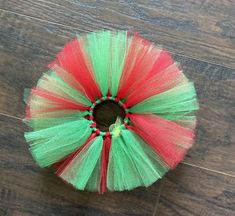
{"points": [[152, 137]]}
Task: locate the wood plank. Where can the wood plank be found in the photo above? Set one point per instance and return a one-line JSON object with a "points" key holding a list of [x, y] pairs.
{"points": [[25, 189], [28, 45], [189, 191], [201, 29]]}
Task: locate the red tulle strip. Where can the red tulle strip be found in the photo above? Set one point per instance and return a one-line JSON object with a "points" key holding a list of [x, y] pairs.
{"points": [[27, 112], [73, 59], [168, 139], [163, 76], [62, 102], [142, 62], [104, 164], [162, 62], [139, 59]]}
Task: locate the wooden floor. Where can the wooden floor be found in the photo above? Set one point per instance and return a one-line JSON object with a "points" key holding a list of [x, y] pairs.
{"points": [[201, 36]]}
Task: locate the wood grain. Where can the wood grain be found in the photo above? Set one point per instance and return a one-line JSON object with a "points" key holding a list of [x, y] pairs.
{"points": [[29, 45], [188, 191], [202, 37], [200, 29], [26, 189]]}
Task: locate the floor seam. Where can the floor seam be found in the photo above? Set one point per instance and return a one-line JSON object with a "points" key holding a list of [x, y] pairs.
{"points": [[209, 170], [87, 31], [11, 116]]}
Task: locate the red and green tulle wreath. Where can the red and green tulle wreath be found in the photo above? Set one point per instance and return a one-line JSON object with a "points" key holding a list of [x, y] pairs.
{"points": [[152, 137]]}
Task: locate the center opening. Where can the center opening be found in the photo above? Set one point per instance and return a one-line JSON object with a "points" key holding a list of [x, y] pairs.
{"points": [[106, 113]]}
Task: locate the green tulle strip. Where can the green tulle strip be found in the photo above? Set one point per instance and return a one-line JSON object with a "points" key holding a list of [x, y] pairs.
{"points": [[119, 49], [174, 104], [132, 163], [107, 54], [93, 183], [52, 144], [83, 172]]}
